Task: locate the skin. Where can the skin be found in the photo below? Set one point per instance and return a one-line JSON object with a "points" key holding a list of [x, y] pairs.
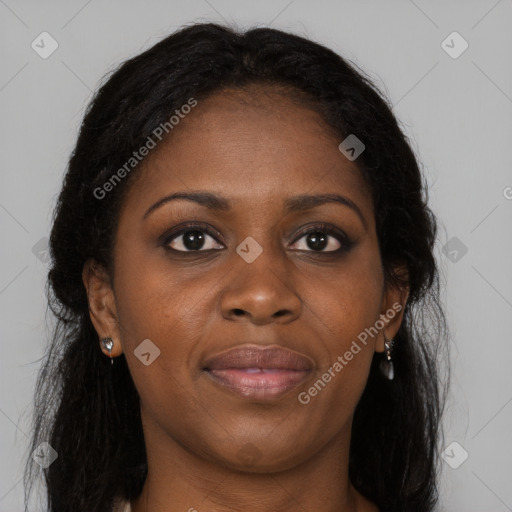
{"points": [[209, 449]]}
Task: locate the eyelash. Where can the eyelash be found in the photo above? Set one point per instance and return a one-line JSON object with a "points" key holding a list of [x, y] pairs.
{"points": [[346, 243]]}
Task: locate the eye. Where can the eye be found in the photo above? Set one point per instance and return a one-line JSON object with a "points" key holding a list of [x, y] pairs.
{"points": [[324, 238], [321, 238], [193, 238]]}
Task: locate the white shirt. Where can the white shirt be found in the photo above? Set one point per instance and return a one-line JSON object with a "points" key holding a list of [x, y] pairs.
{"points": [[121, 505]]}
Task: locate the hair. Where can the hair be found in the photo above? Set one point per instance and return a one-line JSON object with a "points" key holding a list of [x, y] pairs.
{"points": [[88, 410]]}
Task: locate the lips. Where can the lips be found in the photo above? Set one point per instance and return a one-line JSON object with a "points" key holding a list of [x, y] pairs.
{"points": [[261, 373], [265, 358]]}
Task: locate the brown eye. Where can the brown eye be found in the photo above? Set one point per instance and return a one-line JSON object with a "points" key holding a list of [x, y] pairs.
{"points": [[192, 238], [324, 238]]}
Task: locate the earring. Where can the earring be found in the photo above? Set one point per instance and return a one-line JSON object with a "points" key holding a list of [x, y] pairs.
{"points": [[386, 365], [108, 345]]}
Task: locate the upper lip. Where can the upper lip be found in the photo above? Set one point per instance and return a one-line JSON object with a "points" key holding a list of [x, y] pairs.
{"points": [[253, 356]]}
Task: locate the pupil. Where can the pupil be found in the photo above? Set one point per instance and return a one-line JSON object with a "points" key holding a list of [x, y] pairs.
{"points": [[193, 240], [317, 240]]}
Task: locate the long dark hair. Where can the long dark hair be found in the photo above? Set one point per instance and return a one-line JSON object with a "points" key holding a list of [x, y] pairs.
{"points": [[89, 412]]}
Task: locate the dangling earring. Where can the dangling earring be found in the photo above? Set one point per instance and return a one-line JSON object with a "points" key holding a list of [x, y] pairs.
{"points": [[386, 365], [108, 344]]}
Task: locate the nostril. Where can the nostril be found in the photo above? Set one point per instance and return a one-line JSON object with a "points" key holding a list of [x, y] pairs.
{"points": [[238, 312]]}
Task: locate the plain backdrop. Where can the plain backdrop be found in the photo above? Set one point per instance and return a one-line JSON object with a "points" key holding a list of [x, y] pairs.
{"points": [[456, 108]]}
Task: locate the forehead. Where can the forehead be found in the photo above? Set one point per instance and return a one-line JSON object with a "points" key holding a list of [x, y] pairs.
{"points": [[260, 143]]}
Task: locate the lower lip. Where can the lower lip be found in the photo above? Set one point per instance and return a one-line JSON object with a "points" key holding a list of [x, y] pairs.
{"points": [[264, 385]]}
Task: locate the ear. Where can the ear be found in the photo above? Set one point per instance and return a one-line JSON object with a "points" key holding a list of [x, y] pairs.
{"points": [[102, 307], [393, 307]]}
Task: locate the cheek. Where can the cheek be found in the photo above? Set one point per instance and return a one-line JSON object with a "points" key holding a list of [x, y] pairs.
{"points": [[347, 302], [156, 301], [154, 305], [346, 310], [154, 297]]}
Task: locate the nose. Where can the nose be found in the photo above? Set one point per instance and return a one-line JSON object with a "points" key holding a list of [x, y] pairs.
{"points": [[260, 292]]}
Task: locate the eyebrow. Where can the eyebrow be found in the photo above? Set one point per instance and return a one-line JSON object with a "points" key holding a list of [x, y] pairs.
{"points": [[292, 204]]}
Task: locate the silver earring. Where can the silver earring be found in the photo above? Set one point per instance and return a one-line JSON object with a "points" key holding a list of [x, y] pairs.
{"points": [[108, 344], [386, 365]]}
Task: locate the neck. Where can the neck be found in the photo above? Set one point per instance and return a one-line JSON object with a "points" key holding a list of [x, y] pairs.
{"points": [[179, 480]]}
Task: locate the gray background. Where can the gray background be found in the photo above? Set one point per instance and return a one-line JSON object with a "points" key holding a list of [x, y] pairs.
{"points": [[456, 111]]}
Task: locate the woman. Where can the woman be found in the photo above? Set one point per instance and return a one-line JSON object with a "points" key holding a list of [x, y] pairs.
{"points": [[243, 231]]}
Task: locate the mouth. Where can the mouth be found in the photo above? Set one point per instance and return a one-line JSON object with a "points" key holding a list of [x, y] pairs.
{"points": [[261, 373]]}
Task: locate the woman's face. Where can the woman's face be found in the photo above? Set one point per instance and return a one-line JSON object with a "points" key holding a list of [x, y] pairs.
{"points": [[248, 273]]}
